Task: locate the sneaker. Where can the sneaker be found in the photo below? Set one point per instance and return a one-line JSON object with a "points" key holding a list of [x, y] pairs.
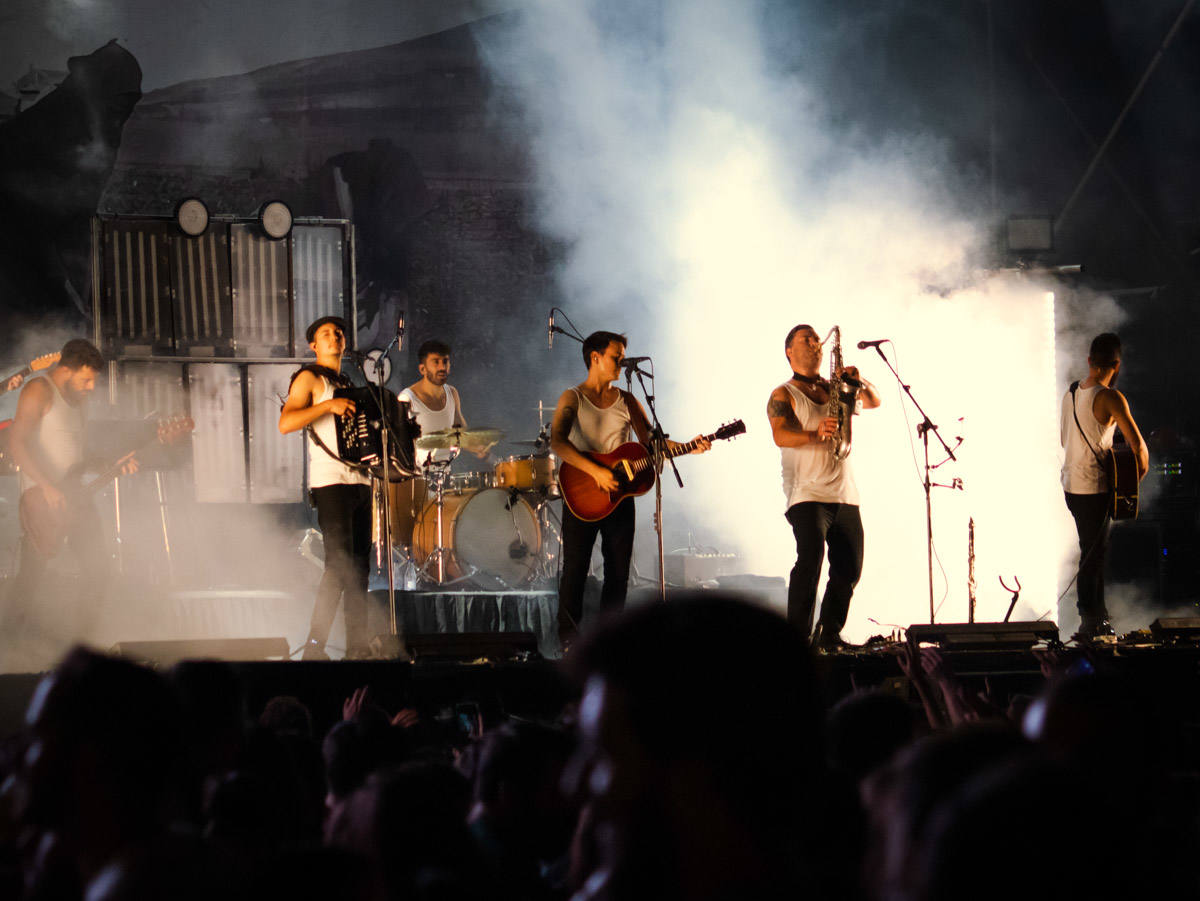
{"points": [[314, 650]]}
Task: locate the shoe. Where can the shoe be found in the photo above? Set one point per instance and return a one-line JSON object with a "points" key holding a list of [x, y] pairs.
{"points": [[314, 650], [827, 642], [1090, 631]]}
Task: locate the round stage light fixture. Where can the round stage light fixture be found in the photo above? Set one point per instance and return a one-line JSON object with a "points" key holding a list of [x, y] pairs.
{"points": [[276, 219], [191, 215]]}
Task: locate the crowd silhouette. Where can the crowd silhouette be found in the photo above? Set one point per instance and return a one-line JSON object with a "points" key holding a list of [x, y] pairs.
{"points": [[699, 760]]}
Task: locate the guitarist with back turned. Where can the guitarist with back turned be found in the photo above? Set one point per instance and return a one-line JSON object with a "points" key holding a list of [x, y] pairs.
{"points": [[1091, 411], [47, 443], [596, 417]]}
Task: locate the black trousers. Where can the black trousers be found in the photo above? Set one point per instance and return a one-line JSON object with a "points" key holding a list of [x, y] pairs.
{"points": [[1092, 525], [344, 515], [816, 525], [85, 541], [616, 546]]}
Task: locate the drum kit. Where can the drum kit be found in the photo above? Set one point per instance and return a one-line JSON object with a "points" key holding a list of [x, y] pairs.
{"points": [[492, 529]]}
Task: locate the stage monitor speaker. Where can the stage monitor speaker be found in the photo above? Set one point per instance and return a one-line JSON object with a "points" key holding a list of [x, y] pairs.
{"points": [[965, 636], [1176, 628], [471, 645], [158, 653]]}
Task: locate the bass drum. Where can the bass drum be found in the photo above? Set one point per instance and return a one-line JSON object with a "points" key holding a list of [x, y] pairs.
{"points": [[492, 532]]}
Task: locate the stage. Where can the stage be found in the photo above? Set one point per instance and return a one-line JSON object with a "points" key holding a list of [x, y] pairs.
{"points": [[503, 679]]}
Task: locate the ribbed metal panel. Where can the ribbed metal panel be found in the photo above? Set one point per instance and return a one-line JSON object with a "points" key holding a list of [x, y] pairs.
{"points": [[147, 389], [200, 279], [219, 456], [136, 307], [318, 276], [276, 461], [259, 269]]}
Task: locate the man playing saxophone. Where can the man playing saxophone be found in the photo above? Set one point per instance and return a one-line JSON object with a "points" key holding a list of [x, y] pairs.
{"points": [[822, 499]]}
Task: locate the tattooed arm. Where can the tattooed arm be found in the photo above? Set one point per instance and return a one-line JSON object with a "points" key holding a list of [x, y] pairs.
{"points": [[786, 428]]}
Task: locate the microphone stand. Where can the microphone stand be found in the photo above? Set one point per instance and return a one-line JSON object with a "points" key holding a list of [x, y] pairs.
{"points": [[385, 428], [659, 455], [923, 429]]}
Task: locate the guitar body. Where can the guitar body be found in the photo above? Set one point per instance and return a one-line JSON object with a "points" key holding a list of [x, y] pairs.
{"points": [[591, 503], [44, 526], [1120, 466]]}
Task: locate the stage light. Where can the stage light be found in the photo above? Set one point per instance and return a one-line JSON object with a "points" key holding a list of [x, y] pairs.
{"points": [[275, 218], [191, 215]]}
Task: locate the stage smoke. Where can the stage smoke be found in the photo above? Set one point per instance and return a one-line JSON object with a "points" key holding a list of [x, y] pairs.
{"points": [[709, 204]]}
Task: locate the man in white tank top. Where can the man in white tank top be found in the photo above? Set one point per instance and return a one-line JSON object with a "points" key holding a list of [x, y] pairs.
{"points": [[48, 435], [822, 499], [435, 403], [1100, 409], [342, 495], [597, 417]]}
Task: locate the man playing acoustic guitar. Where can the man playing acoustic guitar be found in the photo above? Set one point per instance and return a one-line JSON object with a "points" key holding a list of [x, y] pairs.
{"points": [[596, 417], [1091, 410], [47, 444]]}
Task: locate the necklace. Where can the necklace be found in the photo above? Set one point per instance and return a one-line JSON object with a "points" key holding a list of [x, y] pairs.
{"points": [[808, 379]]}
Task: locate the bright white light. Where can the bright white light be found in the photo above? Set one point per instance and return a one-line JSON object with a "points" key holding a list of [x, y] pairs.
{"points": [[680, 172]]}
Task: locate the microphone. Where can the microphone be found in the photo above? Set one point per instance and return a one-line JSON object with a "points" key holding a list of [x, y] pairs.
{"points": [[863, 345], [550, 331], [400, 331], [630, 364]]}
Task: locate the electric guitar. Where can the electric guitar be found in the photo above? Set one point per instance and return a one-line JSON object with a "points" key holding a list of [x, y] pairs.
{"points": [[47, 527], [37, 364], [1120, 465], [633, 468]]}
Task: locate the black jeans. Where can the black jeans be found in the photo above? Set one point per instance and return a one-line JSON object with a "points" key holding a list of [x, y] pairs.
{"points": [[816, 525], [85, 541], [616, 546], [1092, 525], [344, 515]]}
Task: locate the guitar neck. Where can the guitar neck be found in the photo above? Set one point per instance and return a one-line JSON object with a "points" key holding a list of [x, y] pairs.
{"points": [[678, 451], [8, 378], [114, 470]]}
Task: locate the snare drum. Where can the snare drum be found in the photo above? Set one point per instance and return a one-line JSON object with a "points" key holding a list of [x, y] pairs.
{"points": [[527, 473], [489, 531]]}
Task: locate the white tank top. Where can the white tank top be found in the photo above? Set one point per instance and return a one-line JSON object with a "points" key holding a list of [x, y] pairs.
{"points": [[812, 473], [1081, 472], [600, 430], [322, 468], [433, 420], [58, 441]]}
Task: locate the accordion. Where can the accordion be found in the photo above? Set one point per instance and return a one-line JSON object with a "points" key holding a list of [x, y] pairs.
{"points": [[360, 434]]}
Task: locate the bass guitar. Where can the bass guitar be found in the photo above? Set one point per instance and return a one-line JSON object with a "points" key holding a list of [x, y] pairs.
{"points": [[37, 364], [633, 468], [47, 527]]}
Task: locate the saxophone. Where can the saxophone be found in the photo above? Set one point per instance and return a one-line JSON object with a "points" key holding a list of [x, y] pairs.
{"points": [[843, 397]]}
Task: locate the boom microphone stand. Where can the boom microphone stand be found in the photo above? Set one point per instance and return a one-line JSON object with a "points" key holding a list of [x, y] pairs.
{"points": [[924, 427]]}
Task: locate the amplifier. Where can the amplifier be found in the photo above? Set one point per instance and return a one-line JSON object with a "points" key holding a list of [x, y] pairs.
{"points": [[983, 635]]}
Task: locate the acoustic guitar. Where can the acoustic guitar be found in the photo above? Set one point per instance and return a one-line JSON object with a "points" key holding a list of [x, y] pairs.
{"points": [[1120, 465], [47, 527], [633, 468]]}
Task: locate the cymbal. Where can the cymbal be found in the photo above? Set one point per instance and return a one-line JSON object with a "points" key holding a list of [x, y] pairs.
{"points": [[469, 439]]}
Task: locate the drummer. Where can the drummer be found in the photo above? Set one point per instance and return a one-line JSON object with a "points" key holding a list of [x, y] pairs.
{"points": [[435, 403]]}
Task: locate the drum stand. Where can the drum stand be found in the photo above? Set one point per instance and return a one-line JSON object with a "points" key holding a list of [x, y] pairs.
{"points": [[438, 473]]}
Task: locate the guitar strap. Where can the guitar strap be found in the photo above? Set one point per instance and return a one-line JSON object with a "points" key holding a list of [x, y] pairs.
{"points": [[1075, 413]]}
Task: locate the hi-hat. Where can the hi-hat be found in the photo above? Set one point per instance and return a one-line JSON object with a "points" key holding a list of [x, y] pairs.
{"points": [[468, 439]]}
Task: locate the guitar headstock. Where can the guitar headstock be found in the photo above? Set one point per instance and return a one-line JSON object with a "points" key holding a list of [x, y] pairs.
{"points": [[45, 361], [171, 430], [729, 430]]}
